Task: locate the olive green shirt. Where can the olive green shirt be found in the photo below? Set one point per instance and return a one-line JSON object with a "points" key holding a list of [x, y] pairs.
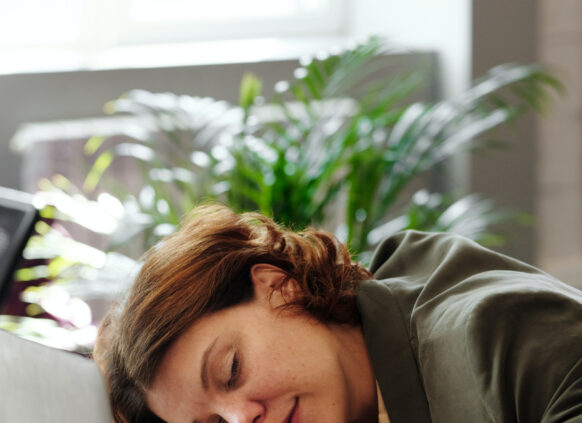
{"points": [[459, 333]]}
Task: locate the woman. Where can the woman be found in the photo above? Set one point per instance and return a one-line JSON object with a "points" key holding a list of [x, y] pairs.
{"points": [[235, 319]]}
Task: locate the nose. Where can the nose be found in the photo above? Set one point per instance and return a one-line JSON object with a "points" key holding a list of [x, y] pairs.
{"points": [[243, 411]]}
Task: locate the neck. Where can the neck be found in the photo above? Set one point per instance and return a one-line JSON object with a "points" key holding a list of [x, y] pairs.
{"points": [[358, 372]]}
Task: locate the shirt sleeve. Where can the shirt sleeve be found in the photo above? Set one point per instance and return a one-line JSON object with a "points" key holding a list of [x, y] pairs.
{"points": [[496, 340], [524, 348]]}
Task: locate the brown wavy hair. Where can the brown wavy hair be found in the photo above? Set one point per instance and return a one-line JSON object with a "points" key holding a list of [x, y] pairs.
{"points": [[203, 268]]}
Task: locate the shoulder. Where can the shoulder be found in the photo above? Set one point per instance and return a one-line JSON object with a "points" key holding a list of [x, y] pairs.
{"points": [[414, 253], [442, 268], [495, 332]]}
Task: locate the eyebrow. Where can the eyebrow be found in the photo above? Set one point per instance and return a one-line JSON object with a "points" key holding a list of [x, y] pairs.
{"points": [[204, 369]]}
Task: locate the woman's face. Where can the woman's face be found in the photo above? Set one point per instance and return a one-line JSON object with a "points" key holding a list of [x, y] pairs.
{"points": [[253, 363]]}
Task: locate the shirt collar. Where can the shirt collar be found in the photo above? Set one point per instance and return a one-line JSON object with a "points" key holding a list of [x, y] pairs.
{"points": [[393, 359]]}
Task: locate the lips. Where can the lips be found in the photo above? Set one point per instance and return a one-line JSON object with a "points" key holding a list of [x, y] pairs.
{"points": [[293, 416]]}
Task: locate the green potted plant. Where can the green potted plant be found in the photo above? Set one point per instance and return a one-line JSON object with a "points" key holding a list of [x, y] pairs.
{"points": [[340, 127]]}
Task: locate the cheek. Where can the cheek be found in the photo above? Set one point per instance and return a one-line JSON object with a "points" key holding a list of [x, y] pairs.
{"points": [[292, 364], [297, 370]]}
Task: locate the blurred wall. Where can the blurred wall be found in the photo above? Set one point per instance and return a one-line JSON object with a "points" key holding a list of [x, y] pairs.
{"points": [[541, 170], [506, 31], [559, 153], [441, 26]]}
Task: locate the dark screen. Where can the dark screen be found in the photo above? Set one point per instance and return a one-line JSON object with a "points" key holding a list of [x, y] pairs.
{"points": [[10, 220], [17, 218]]}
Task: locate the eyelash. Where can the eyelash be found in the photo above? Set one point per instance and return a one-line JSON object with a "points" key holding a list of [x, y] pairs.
{"points": [[234, 372]]}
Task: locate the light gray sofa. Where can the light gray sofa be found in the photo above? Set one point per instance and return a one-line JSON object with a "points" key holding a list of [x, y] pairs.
{"points": [[42, 384]]}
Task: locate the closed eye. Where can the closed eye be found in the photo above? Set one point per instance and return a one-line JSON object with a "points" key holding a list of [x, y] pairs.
{"points": [[234, 372]]}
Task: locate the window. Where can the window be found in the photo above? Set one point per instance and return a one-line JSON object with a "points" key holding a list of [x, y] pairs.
{"points": [[180, 20], [81, 32], [35, 23]]}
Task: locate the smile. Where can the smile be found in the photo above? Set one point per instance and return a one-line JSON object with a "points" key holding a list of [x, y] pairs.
{"points": [[293, 416]]}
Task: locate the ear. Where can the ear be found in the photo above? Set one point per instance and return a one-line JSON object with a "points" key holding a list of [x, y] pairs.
{"points": [[267, 280]]}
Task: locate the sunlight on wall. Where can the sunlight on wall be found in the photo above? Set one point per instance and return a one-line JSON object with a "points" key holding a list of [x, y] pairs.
{"points": [[443, 26]]}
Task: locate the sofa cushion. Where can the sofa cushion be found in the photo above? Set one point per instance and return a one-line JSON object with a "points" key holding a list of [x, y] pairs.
{"points": [[42, 384]]}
